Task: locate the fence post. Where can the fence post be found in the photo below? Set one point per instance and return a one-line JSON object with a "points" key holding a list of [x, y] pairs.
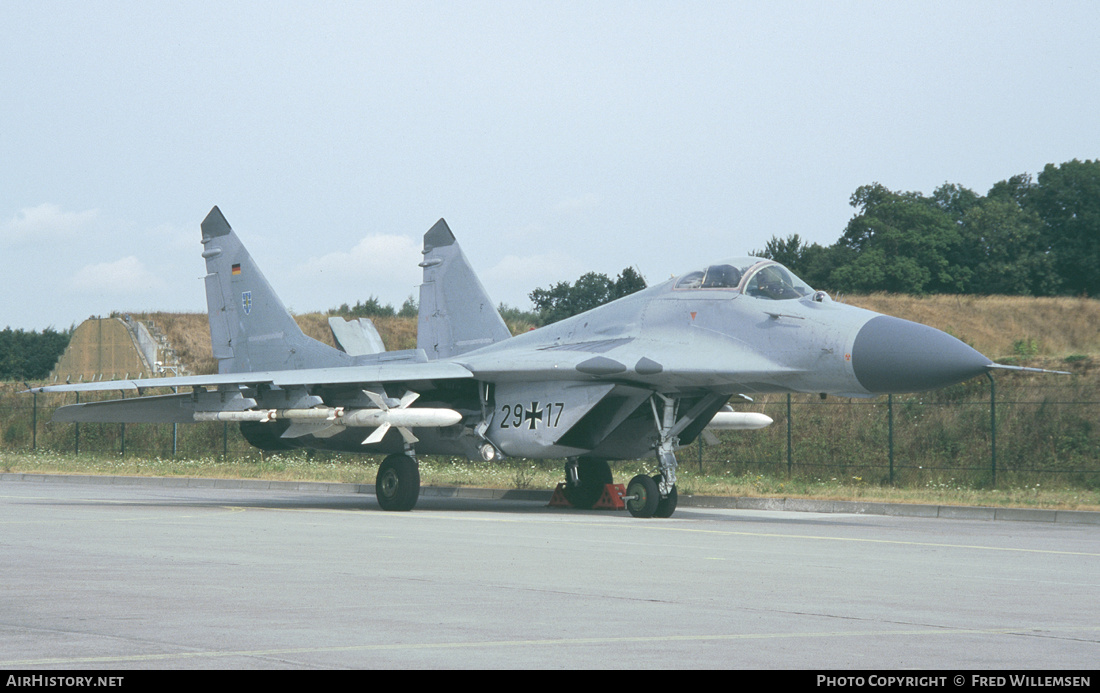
{"points": [[122, 432], [174, 429], [993, 427], [788, 435], [76, 444], [34, 424], [890, 427]]}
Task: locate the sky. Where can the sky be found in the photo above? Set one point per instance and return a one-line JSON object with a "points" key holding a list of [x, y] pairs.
{"points": [[556, 138]]}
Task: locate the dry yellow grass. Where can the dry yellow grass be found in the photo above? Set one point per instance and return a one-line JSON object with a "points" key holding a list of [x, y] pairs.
{"points": [[189, 334], [1057, 327]]}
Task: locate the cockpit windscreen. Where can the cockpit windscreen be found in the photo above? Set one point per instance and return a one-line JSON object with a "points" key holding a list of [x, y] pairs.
{"points": [[751, 276]]}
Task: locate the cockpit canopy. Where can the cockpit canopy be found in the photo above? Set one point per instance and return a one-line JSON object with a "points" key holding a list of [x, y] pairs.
{"points": [[751, 276]]}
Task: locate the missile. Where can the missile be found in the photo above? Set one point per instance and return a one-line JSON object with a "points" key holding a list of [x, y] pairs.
{"points": [[234, 416], [364, 418], [424, 417], [738, 421], [400, 416], [382, 418], [265, 415]]}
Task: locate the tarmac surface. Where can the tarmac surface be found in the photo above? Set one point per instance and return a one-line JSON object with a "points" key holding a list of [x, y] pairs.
{"points": [[120, 574]]}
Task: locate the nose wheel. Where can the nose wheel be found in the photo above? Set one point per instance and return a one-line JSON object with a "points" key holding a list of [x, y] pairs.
{"points": [[642, 496], [644, 499]]}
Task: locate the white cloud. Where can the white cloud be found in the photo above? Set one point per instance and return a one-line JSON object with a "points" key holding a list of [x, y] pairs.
{"points": [[46, 222], [381, 265], [123, 276], [515, 276]]}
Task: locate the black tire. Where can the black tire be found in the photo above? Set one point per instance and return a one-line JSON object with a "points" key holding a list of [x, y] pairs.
{"points": [[667, 505], [646, 496], [266, 436], [593, 474], [397, 486]]}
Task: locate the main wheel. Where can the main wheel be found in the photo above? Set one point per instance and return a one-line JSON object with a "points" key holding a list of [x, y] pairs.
{"points": [[592, 474], [266, 436], [645, 496], [397, 486], [667, 505]]}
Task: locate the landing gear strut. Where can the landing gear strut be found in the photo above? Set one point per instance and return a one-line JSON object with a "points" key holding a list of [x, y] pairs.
{"points": [[656, 496]]}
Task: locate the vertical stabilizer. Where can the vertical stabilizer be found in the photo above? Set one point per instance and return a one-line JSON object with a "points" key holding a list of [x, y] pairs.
{"points": [[456, 314], [250, 329]]}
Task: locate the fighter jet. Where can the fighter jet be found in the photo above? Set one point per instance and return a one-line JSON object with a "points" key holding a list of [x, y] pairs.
{"points": [[643, 375]]}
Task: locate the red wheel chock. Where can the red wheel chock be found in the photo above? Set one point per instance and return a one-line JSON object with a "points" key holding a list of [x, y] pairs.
{"points": [[610, 499], [558, 500]]}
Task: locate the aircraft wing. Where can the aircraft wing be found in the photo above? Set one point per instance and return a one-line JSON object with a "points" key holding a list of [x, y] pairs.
{"points": [[374, 374], [230, 395]]}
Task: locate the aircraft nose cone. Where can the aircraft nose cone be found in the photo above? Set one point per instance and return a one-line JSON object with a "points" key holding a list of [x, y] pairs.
{"points": [[891, 355]]}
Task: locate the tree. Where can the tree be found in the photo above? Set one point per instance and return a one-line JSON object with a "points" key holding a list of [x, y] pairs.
{"points": [[30, 355], [1004, 246], [1026, 236], [409, 309], [813, 263], [371, 308], [564, 300], [628, 282], [786, 251], [1067, 199], [902, 242]]}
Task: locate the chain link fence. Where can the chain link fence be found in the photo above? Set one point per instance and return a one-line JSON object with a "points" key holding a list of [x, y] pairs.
{"points": [[1012, 430]]}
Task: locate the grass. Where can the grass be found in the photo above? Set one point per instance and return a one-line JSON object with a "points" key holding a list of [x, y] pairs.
{"points": [[1000, 326], [531, 474]]}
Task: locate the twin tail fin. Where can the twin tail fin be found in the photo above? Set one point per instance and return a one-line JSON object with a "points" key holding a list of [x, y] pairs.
{"points": [[250, 328]]}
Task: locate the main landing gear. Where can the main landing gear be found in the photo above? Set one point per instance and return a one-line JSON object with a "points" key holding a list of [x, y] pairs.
{"points": [[585, 479], [397, 486], [646, 496]]}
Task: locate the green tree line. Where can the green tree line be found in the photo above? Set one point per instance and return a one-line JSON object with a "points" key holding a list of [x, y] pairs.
{"points": [[1027, 236], [374, 308], [30, 355], [593, 289]]}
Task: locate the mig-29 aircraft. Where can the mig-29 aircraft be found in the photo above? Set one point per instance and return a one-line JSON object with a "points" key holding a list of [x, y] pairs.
{"points": [[643, 375]]}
